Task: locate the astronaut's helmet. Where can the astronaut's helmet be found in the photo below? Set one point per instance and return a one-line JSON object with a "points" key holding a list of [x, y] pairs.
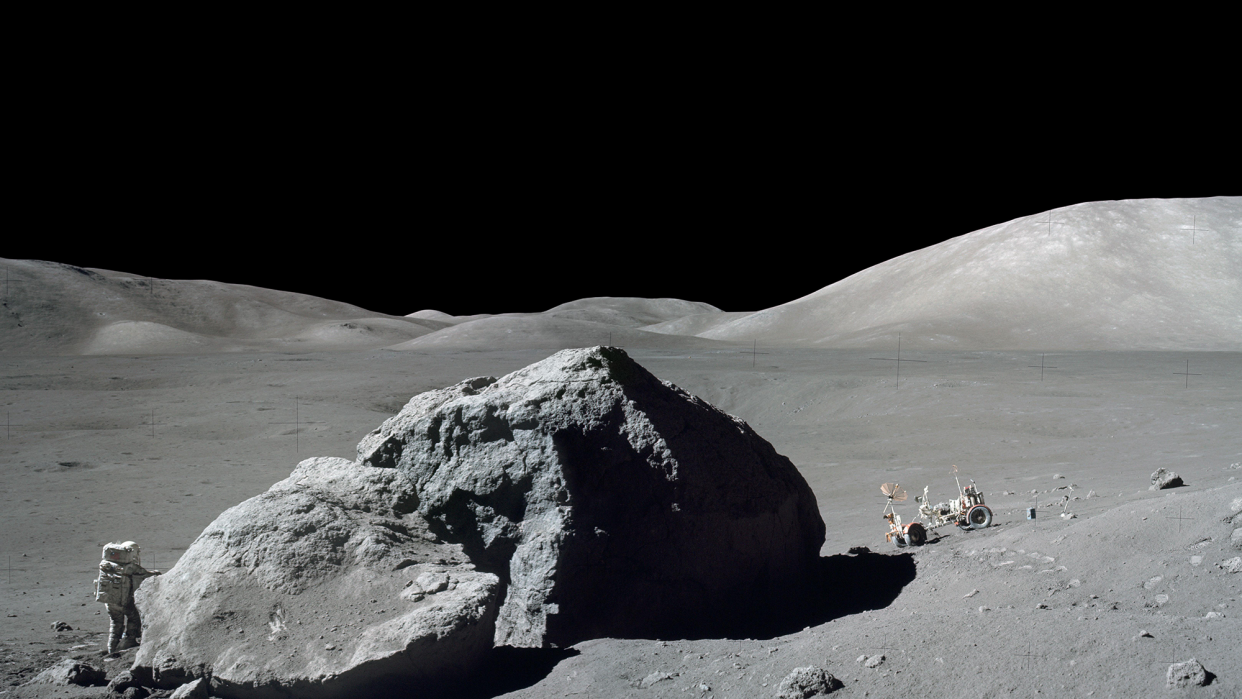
{"points": [[122, 553]]}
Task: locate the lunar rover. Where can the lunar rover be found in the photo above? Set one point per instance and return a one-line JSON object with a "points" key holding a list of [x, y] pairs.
{"points": [[967, 512]]}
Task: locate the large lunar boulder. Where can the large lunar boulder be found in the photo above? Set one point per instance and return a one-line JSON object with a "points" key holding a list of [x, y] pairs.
{"points": [[327, 585], [609, 503]]}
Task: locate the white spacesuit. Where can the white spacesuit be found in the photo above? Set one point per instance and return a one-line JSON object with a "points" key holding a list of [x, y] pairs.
{"points": [[120, 574]]}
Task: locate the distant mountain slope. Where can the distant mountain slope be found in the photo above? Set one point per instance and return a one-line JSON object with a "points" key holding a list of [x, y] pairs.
{"points": [[1102, 275], [540, 331], [628, 312], [52, 308]]}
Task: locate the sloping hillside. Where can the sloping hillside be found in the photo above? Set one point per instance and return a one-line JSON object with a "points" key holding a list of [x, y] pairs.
{"points": [[52, 308], [1137, 274]]}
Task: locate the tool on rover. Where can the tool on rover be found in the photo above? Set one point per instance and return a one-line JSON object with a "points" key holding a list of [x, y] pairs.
{"points": [[913, 534]]}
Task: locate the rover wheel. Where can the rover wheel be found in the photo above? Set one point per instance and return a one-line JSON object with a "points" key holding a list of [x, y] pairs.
{"points": [[916, 534], [979, 516]]}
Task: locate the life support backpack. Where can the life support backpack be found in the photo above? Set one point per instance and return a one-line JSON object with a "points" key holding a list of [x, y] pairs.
{"points": [[112, 585]]}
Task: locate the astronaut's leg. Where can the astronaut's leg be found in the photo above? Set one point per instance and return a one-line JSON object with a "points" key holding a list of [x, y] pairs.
{"points": [[116, 624], [133, 627]]}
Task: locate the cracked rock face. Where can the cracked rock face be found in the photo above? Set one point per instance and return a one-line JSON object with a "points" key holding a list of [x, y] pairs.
{"points": [[608, 502]]}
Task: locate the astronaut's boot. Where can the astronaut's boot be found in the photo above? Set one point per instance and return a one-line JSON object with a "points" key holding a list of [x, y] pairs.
{"points": [[127, 642], [116, 626]]}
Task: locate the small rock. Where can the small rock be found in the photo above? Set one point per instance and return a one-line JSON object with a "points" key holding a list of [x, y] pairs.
{"points": [[1145, 634], [984, 609], [972, 593], [1163, 478], [860, 658], [1090, 494], [1196, 560], [1068, 515], [59, 626], [1214, 615], [1235, 539], [135, 693], [123, 681], [70, 671], [194, 690], [1041, 605], [1057, 476], [654, 678], [805, 682], [874, 661], [1161, 599], [1187, 674], [704, 688], [1233, 565]]}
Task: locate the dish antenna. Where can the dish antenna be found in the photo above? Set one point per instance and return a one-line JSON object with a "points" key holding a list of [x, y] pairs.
{"points": [[894, 493]]}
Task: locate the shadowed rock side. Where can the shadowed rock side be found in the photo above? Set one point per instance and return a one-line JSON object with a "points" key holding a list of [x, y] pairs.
{"points": [[610, 503]]}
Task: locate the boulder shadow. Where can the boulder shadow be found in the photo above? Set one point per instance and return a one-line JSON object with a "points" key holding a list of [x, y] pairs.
{"points": [[502, 671], [841, 585]]}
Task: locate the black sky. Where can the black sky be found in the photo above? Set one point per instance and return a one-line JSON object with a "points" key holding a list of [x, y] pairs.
{"points": [[516, 185]]}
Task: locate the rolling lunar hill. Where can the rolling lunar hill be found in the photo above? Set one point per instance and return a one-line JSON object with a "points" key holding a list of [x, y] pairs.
{"points": [[1144, 274], [53, 308]]}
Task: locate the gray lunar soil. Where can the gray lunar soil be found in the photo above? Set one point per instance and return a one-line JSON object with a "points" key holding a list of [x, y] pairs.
{"points": [[144, 410]]}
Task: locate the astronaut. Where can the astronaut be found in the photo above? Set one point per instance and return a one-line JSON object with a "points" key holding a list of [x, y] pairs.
{"points": [[120, 574]]}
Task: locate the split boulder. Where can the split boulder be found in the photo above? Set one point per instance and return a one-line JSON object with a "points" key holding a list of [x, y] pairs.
{"points": [[577, 498]]}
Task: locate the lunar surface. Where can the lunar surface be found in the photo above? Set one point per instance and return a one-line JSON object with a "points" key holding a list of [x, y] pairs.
{"points": [[1057, 364]]}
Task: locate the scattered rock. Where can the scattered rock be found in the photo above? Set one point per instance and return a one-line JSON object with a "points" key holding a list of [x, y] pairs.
{"points": [[70, 672], [1090, 494], [1164, 478], [1068, 515], [806, 682], [1233, 565], [1146, 634], [59, 626], [1213, 615], [655, 677], [194, 690], [1041, 605], [874, 661], [122, 682], [970, 594], [1056, 476], [1196, 560], [1235, 539], [1233, 467], [1187, 674]]}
